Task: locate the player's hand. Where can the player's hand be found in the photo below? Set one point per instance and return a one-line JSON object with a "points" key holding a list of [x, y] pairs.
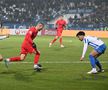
{"points": [[82, 58], [64, 28], [55, 27], [7, 36], [37, 51], [34, 45]]}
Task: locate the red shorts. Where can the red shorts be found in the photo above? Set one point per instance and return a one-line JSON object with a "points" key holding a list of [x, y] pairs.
{"points": [[27, 48], [59, 32]]}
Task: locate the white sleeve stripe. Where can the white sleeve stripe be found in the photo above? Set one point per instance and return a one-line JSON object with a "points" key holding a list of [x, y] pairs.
{"points": [[2, 37]]}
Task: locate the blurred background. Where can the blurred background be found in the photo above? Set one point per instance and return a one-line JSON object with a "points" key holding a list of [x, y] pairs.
{"points": [[79, 14]]}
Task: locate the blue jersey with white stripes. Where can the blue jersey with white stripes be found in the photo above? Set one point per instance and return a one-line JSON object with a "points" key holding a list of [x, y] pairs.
{"points": [[91, 41]]}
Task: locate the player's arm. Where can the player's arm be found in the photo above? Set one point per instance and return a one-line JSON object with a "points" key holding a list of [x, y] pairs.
{"points": [[64, 26], [56, 25], [34, 45], [4, 37], [84, 50]]}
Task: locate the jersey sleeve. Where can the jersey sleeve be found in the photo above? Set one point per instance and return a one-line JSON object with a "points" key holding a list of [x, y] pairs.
{"points": [[85, 47], [3, 37], [65, 23], [56, 23]]}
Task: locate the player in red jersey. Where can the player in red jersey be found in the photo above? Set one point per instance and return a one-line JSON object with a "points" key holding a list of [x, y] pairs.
{"points": [[28, 46], [60, 26]]}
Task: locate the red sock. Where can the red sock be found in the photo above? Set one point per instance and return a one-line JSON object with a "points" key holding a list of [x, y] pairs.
{"points": [[54, 40], [60, 41], [15, 58], [36, 59]]}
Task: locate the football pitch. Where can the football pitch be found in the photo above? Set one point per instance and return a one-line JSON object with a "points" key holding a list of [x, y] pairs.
{"points": [[62, 69]]}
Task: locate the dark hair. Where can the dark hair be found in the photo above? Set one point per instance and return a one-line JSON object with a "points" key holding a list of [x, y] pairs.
{"points": [[41, 23], [80, 33]]}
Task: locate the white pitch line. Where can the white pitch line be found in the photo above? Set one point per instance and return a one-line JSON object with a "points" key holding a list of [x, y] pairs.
{"points": [[56, 62]]}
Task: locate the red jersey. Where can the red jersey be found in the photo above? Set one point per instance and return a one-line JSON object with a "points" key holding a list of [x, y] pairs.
{"points": [[31, 34], [60, 24]]}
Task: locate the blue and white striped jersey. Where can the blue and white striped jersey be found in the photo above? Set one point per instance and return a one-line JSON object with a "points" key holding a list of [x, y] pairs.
{"points": [[91, 41]]}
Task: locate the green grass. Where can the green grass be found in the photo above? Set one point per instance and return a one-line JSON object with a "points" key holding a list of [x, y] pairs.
{"points": [[55, 76]]}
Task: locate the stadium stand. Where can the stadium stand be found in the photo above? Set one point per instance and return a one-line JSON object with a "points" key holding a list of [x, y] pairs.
{"points": [[31, 11]]}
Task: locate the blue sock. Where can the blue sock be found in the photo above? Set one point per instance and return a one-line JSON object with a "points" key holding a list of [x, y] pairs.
{"points": [[98, 63], [92, 61]]}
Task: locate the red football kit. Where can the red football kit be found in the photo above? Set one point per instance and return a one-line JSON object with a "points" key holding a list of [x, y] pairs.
{"points": [[60, 26], [28, 41], [27, 46]]}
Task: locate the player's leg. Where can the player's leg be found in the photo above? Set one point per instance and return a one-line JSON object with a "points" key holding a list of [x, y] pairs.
{"points": [[33, 49], [60, 35], [99, 65], [22, 56], [61, 44], [36, 58], [37, 66], [1, 58], [92, 61], [100, 51], [17, 58], [50, 44], [13, 59]]}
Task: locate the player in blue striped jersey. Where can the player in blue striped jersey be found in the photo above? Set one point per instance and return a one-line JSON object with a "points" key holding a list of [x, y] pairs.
{"points": [[99, 49]]}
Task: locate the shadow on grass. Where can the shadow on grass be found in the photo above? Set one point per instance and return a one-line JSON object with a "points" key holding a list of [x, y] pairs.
{"points": [[106, 70], [7, 72], [24, 75], [17, 75], [97, 76]]}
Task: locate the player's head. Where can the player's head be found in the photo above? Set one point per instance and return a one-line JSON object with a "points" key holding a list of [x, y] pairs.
{"points": [[80, 35], [40, 26], [61, 17]]}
